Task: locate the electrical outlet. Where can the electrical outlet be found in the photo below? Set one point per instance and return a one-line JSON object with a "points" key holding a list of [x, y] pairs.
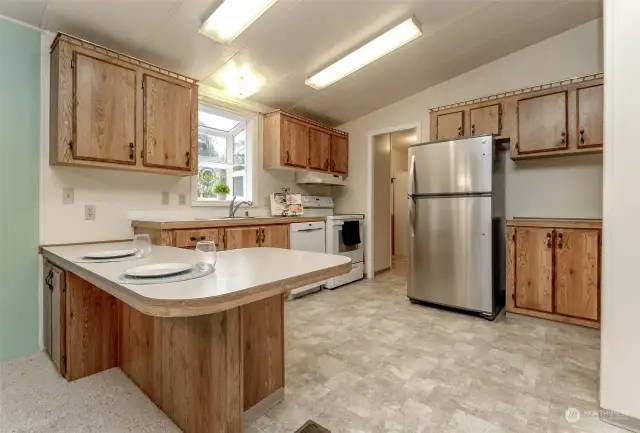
{"points": [[90, 212], [67, 196], [165, 198], [182, 199]]}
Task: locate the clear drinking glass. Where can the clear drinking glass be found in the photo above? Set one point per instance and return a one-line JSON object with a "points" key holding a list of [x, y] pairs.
{"points": [[206, 254], [142, 245]]}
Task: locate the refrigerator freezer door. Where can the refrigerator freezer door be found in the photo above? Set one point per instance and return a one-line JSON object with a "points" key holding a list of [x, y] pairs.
{"points": [[451, 167], [451, 252]]}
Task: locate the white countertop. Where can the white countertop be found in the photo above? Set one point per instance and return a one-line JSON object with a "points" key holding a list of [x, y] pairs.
{"points": [[242, 276]]}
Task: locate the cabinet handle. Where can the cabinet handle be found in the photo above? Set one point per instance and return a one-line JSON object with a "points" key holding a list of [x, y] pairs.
{"points": [[288, 157], [131, 155], [333, 166], [549, 243], [326, 164], [263, 236], [257, 236], [562, 140], [459, 131], [473, 129], [202, 238], [192, 238], [548, 235], [188, 161], [49, 280], [560, 244], [582, 136]]}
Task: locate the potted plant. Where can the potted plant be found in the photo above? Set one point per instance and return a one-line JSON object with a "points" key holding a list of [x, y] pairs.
{"points": [[221, 190]]}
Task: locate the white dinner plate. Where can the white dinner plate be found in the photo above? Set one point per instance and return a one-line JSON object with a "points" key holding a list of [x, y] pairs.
{"points": [[158, 270], [110, 254]]}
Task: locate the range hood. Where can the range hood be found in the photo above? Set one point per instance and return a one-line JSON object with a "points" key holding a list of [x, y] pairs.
{"points": [[312, 177]]}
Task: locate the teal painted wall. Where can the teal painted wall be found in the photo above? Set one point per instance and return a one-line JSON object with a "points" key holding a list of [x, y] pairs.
{"points": [[19, 188]]}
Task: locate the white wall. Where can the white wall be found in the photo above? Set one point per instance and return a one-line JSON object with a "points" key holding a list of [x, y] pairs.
{"points": [[119, 195], [567, 187], [619, 374]]}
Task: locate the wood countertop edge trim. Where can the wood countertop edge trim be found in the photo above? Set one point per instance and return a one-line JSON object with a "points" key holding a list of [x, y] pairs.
{"points": [[196, 307], [215, 224], [556, 223]]}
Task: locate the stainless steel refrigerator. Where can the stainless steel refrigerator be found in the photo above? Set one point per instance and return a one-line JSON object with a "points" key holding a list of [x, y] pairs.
{"points": [[457, 223]]}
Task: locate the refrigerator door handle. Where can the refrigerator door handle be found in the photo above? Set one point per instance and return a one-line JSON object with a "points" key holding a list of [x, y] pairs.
{"points": [[412, 217], [412, 174]]}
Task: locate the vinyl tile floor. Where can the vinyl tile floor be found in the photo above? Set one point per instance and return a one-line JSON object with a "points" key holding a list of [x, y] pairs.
{"points": [[361, 359]]}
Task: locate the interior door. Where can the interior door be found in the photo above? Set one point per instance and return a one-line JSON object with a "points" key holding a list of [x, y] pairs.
{"points": [[339, 154], [104, 111], [577, 273], [167, 124], [485, 120], [319, 149], [243, 237], [450, 125], [275, 236], [295, 142], [450, 252], [591, 116], [542, 123], [451, 167], [534, 264]]}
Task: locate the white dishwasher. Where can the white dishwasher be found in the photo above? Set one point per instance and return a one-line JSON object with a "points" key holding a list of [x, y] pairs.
{"points": [[307, 237]]}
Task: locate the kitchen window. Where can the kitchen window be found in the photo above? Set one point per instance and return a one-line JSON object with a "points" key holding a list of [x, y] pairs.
{"points": [[224, 155]]}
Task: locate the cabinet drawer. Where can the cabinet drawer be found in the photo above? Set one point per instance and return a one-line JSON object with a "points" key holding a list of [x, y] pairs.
{"points": [[189, 238]]}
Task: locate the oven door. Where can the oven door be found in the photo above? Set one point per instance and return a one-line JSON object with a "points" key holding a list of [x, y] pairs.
{"points": [[336, 246]]}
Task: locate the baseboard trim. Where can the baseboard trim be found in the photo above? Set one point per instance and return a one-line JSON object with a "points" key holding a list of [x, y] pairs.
{"points": [[619, 420], [381, 271], [263, 406]]}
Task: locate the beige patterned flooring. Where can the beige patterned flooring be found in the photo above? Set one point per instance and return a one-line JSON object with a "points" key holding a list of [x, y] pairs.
{"points": [[363, 359], [360, 359]]}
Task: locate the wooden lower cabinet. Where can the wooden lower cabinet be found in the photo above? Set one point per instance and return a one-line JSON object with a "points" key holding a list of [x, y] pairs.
{"points": [[242, 237], [554, 272], [275, 236], [54, 315]]}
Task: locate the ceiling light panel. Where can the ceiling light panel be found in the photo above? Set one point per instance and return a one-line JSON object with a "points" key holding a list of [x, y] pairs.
{"points": [[232, 17], [384, 44]]}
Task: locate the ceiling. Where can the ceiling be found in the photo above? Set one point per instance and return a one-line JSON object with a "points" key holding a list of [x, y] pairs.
{"points": [[296, 38]]}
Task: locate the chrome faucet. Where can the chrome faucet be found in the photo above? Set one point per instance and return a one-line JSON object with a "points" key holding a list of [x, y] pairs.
{"points": [[233, 206]]}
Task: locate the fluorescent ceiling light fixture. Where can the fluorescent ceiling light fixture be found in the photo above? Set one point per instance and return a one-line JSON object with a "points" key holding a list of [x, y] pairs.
{"points": [[232, 17], [384, 44]]}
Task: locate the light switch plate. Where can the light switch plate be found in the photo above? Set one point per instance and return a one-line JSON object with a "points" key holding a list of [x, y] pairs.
{"points": [[165, 198], [182, 199], [67, 196], [90, 212]]}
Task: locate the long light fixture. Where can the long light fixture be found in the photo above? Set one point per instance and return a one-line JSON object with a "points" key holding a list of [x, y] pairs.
{"points": [[382, 45], [232, 17]]}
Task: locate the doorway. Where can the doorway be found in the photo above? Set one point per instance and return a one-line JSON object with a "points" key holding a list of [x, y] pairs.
{"points": [[390, 237]]}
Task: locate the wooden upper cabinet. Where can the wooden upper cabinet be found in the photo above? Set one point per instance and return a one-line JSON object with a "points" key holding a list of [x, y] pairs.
{"points": [[101, 116], [533, 268], [167, 124], [339, 154], [542, 123], [295, 143], [104, 112], [486, 120], [450, 125], [292, 142], [590, 102], [577, 273], [242, 237], [275, 236], [319, 149]]}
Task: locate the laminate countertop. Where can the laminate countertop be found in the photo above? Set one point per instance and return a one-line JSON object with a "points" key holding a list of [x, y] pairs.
{"points": [[206, 223], [568, 223], [242, 276]]}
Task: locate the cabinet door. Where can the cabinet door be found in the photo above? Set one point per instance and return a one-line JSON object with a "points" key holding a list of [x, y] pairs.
{"points": [[339, 154], [485, 120], [542, 123], [319, 149], [590, 116], [167, 124], [295, 143], [450, 125], [243, 237], [104, 111], [275, 236], [577, 273], [53, 318], [533, 273]]}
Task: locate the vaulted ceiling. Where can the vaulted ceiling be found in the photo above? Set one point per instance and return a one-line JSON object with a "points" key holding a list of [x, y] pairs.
{"points": [[296, 38]]}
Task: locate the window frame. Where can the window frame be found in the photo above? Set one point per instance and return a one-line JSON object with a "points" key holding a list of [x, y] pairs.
{"points": [[250, 122]]}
